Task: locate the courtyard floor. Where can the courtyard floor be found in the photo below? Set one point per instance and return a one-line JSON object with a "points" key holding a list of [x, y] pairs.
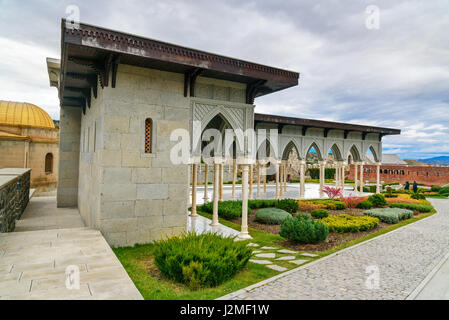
{"points": [[33, 261], [402, 259]]}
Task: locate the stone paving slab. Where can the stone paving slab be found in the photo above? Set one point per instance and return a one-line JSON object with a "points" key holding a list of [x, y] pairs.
{"points": [[286, 258], [276, 267], [34, 260], [312, 255], [260, 261], [403, 257], [287, 251], [40, 272], [266, 255], [299, 261]]}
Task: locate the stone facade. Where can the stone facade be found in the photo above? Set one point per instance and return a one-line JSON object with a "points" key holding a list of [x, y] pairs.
{"points": [[28, 150], [429, 175]]}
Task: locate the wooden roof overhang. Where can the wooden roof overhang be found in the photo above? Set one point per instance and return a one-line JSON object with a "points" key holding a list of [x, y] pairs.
{"points": [[90, 54], [282, 121]]}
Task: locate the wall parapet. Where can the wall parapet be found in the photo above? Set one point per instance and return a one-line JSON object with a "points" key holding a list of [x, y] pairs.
{"points": [[14, 196]]}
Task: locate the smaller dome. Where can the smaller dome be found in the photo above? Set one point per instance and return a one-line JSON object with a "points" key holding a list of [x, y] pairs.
{"points": [[24, 114]]}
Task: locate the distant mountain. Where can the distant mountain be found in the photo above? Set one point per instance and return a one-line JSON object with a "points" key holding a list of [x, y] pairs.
{"points": [[443, 160]]}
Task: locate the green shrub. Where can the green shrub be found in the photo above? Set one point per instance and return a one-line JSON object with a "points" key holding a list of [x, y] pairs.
{"points": [[443, 190], [418, 196], [271, 215], [256, 204], [289, 205], [330, 204], [204, 260], [377, 200], [365, 204], [303, 229], [347, 223], [412, 206], [319, 213], [390, 215], [390, 195], [435, 188], [226, 209]]}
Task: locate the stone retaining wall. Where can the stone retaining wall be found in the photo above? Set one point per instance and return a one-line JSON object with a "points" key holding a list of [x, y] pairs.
{"points": [[14, 196]]}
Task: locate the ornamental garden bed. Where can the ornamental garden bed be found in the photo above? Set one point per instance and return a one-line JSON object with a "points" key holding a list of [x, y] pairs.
{"points": [[157, 276]]}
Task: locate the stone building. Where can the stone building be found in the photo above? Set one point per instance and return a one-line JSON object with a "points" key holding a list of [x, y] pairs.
{"points": [[29, 139], [122, 97], [394, 169]]}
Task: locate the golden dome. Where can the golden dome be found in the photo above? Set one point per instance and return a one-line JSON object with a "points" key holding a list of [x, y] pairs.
{"points": [[24, 114]]}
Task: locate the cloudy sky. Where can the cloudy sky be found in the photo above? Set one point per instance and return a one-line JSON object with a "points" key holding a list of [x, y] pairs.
{"points": [[394, 76]]}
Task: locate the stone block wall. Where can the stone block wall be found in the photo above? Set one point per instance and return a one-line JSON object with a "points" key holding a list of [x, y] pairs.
{"points": [[70, 123], [133, 196], [14, 196], [8, 203]]}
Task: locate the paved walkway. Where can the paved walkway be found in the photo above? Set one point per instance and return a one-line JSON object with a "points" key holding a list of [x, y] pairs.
{"points": [[33, 264], [42, 214], [403, 258]]}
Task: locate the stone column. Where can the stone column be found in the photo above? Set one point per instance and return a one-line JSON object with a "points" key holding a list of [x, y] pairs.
{"points": [[336, 174], [302, 178], [221, 181], [285, 177], [378, 177], [206, 170], [215, 196], [250, 181], [322, 177], [281, 179], [343, 177], [264, 179], [234, 175], [361, 177], [258, 181], [244, 228], [276, 196], [194, 184], [356, 177]]}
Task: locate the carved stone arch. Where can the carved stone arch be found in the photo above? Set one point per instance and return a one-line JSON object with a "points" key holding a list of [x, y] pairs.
{"points": [[267, 142], [317, 145], [287, 147], [337, 149], [355, 151], [375, 151], [224, 114]]}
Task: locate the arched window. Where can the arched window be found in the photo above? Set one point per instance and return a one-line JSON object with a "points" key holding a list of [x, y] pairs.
{"points": [[148, 135], [49, 163]]}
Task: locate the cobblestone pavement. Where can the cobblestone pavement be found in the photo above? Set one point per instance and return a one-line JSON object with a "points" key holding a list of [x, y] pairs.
{"points": [[403, 257]]}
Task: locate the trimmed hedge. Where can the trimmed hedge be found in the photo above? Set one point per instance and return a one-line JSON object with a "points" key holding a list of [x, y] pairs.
{"points": [[303, 229], [418, 196], [365, 204], [390, 215], [329, 173], [347, 223], [289, 205], [443, 190], [331, 204], [204, 260], [377, 200], [271, 215], [412, 206], [319, 213], [226, 209]]}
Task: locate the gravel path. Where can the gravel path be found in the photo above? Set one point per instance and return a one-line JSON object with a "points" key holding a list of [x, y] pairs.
{"points": [[403, 258]]}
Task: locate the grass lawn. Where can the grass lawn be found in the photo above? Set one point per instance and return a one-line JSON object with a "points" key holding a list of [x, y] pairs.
{"points": [[138, 262]]}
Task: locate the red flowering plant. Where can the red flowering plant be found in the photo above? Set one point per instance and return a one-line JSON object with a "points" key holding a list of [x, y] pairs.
{"points": [[351, 201], [332, 192]]}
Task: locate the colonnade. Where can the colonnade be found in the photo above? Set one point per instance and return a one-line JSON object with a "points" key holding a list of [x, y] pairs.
{"points": [[281, 175]]}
